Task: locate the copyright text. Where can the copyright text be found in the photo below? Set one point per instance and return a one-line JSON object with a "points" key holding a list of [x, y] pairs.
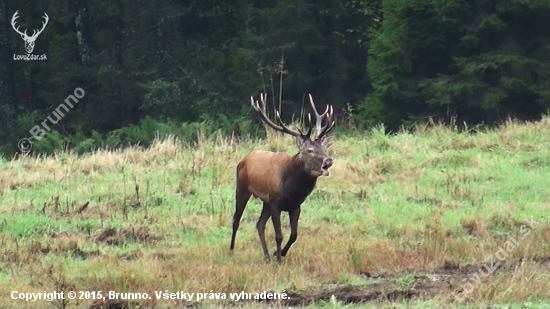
{"points": [[166, 295]]}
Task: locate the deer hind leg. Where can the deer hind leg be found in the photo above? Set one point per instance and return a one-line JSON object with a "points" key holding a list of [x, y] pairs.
{"points": [[241, 198], [266, 213]]}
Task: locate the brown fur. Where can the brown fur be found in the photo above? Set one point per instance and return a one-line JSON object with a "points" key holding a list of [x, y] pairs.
{"points": [[260, 172]]}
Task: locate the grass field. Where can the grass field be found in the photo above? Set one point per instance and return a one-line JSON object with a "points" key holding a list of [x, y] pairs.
{"points": [[411, 220]]}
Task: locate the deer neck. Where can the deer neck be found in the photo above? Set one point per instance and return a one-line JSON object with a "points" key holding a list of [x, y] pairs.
{"points": [[298, 183]]}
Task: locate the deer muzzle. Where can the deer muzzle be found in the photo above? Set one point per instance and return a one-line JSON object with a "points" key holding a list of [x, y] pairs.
{"points": [[326, 165]]}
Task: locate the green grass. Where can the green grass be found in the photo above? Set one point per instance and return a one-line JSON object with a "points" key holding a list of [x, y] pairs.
{"points": [[400, 205]]}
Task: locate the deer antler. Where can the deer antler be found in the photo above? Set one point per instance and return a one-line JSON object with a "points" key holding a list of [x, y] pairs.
{"points": [[35, 33], [261, 111], [322, 131], [15, 16], [44, 23]]}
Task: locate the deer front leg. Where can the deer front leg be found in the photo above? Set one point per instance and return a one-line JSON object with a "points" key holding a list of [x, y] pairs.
{"points": [[276, 218]]}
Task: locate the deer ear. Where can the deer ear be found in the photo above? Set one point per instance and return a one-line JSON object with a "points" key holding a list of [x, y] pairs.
{"points": [[300, 140], [328, 139]]}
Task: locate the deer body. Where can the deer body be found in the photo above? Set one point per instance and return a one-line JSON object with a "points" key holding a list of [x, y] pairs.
{"points": [[281, 181], [275, 178]]}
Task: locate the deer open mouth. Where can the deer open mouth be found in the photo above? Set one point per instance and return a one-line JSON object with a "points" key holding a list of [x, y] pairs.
{"points": [[325, 167]]}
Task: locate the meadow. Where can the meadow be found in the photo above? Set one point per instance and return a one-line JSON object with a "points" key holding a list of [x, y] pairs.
{"points": [[434, 218]]}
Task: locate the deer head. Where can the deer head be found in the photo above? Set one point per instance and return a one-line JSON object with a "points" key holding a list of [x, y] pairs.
{"points": [[29, 40], [312, 149]]}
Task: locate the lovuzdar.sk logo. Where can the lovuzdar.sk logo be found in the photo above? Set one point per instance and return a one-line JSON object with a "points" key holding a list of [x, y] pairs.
{"points": [[29, 40]]}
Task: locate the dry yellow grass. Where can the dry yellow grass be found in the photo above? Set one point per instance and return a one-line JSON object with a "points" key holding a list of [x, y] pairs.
{"points": [[432, 203]]}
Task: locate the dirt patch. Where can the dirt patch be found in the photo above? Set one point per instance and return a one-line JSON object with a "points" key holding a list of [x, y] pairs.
{"points": [[112, 304], [78, 253], [346, 295], [63, 245], [393, 288], [140, 234], [112, 237], [163, 256], [405, 285], [108, 236], [475, 227]]}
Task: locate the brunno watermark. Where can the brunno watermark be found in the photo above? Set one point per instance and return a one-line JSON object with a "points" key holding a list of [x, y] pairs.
{"points": [[38, 131], [492, 261]]}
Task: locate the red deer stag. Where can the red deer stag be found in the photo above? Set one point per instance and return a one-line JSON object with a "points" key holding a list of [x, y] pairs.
{"points": [[280, 180]]}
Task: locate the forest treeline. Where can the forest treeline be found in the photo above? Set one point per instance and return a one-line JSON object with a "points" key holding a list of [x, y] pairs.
{"points": [[182, 66]]}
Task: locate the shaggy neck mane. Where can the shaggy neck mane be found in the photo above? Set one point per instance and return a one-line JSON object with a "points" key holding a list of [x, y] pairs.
{"points": [[299, 182]]}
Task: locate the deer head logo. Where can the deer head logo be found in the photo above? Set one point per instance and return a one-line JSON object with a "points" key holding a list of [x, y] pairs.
{"points": [[29, 40]]}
